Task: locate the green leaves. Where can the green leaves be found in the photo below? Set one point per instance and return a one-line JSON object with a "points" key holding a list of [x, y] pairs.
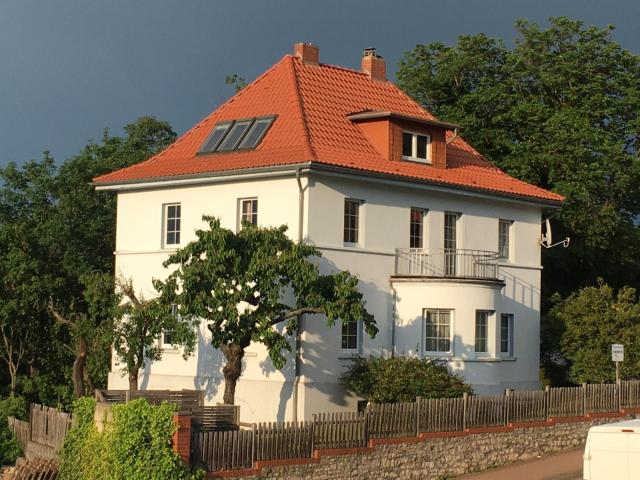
{"points": [[401, 379], [244, 285], [591, 320], [560, 110]]}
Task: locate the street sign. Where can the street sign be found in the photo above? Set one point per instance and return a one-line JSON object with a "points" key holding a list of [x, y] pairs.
{"points": [[617, 352]]}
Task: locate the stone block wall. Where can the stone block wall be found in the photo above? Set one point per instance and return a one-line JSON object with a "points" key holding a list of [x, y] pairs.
{"points": [[431, 456]]}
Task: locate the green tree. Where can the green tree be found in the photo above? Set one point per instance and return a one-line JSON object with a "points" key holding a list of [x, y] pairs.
{"points": [[246, 285], [561, 110], [402, 379], [57, 236], [138, 325], [591, 320]]}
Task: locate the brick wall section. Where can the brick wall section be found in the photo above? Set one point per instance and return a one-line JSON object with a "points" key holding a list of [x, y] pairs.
{"points": [[431, 456], [181, 440]]}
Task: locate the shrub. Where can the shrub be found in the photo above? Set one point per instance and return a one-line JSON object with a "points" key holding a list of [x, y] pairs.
{"points": [[9, 448], [135, 446], [402, 379]]}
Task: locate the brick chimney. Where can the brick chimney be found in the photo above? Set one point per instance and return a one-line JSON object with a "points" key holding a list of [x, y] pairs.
{"points": [[307, 52], [374, 65]]}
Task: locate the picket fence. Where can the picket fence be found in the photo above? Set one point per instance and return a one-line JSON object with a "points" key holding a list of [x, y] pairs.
{"points": [[44, 433], [231, 450]]}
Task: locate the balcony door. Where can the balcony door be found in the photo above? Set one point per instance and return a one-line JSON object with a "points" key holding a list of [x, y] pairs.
{"points": [[450, 243]]}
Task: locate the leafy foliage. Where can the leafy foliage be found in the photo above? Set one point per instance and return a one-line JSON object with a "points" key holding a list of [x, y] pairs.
{"points": [[135, 446], [591, 320], [560, 110], [57, 237], [401, 379], [9, 448], [246, 284], [138, 325]]}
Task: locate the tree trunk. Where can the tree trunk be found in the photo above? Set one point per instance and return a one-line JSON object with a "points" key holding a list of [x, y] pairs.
{"points": [[13, 372], [77, 373], [232, 370], [133, 379]]}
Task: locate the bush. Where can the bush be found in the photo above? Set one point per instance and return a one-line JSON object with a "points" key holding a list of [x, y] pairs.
{"points": [[135, 446], [9, 448], [402, 379]]}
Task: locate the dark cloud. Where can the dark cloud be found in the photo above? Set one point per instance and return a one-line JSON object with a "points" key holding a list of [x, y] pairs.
{"points": [[69, 68]]}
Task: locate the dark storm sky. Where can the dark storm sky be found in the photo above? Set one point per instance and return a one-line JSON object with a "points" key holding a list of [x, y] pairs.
{"points": [[69, 68]]}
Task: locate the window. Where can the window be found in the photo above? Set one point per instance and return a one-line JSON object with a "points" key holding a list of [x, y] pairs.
{"points": [[482, 332], [166, 340], [349, 338], [506, 334], [249, 211], [258, 130], [416, 147], [504, 226], [416, 228], [351, 220], [213, 141], [437, 331], [172, 225], [450, 242], [237, 134]]}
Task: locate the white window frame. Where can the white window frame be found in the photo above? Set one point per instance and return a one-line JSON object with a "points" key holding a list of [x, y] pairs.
{"points": [[414, 147], [485, 352], [241, 202], [437, 353], [164, 345], [510, 337], [359, 223], [423, 230], [509, 223], [358, 349], [165, 225]]}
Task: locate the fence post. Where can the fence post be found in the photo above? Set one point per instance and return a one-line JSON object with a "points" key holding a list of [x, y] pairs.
{"points": [[584, 399], [547, 400], [181, 440], [253, 445], [127, 396], [367, 414], [418, 403], [465, 397], [619, 394], [507, 404]]}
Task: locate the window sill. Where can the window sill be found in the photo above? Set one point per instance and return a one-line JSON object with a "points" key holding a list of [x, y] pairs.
{"points": [[351, 245], [348, 354], [438, 355], [423, 161]]}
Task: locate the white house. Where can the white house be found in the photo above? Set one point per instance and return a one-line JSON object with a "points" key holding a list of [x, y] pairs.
{"points": [[446, 246]]}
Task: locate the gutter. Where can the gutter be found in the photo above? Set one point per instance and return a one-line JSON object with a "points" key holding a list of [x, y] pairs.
{"points": [[298, 342]]}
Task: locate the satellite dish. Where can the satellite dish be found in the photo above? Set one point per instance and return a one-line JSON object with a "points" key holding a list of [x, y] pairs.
{"points": [[546, 240]]}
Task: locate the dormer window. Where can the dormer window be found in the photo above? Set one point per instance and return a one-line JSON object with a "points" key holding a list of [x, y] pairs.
{"points": [[416, 147]]}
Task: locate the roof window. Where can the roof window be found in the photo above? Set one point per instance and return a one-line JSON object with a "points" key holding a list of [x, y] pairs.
{"points": [[234, 135]]}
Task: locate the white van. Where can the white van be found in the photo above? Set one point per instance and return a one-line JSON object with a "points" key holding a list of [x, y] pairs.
{"points": [[612, 452]]}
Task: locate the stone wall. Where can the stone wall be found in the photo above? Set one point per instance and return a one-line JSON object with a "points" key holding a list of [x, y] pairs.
{"points": [[432, 456]]}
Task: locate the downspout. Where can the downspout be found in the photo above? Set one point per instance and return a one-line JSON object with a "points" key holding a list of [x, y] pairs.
{"points": [[455, 135], [296, 380], [393, 320]]}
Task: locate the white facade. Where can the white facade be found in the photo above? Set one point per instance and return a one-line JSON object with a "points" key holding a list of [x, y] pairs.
{"points": [[397, 302]]}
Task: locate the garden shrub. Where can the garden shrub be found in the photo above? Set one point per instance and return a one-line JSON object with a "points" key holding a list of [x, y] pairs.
{"points": [[402, 379], [135, 446], [10, 407]]}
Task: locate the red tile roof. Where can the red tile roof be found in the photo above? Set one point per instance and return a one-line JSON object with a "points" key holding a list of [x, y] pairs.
{"points": [[312, 103]]}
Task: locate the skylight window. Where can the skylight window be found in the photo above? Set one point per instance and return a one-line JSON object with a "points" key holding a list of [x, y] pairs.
{"points": [[243, 134], [218, 133]]}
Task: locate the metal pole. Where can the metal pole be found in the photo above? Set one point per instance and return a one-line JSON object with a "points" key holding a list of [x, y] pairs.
{"points": [[617, 372]]}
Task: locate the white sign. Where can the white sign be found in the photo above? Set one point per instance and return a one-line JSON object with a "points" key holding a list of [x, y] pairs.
{"points": [[617, 352]]}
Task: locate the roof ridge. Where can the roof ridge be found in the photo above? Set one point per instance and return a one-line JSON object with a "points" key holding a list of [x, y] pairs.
{"points": [[301, 108]]}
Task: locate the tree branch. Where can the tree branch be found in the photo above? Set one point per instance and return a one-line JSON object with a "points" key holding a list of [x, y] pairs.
{"points": [[57, 315], [127, 289], [295, 313]]}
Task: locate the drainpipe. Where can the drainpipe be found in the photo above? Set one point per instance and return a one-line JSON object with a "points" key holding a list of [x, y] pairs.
{"points": [[455, 135], [296, 380], [393, 321]]}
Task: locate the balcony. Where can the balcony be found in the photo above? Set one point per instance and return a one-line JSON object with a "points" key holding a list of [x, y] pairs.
{"points": [[446, 263]]}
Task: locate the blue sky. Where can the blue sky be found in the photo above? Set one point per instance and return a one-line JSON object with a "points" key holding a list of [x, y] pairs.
{"points": [[70, 68]]}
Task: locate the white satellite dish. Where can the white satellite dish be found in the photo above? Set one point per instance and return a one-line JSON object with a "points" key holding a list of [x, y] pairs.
{"points": [[546, 240]]}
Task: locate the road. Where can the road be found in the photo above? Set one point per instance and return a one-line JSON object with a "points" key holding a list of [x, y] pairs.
{"points": [[561, 466]]}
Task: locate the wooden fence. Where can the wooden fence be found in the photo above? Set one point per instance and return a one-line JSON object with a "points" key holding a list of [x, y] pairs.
{"points": [[186, 399], [44, 433], [277, 441]]}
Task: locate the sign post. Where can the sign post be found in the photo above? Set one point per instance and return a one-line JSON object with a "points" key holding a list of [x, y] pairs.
{"points": [[617, 356]]}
